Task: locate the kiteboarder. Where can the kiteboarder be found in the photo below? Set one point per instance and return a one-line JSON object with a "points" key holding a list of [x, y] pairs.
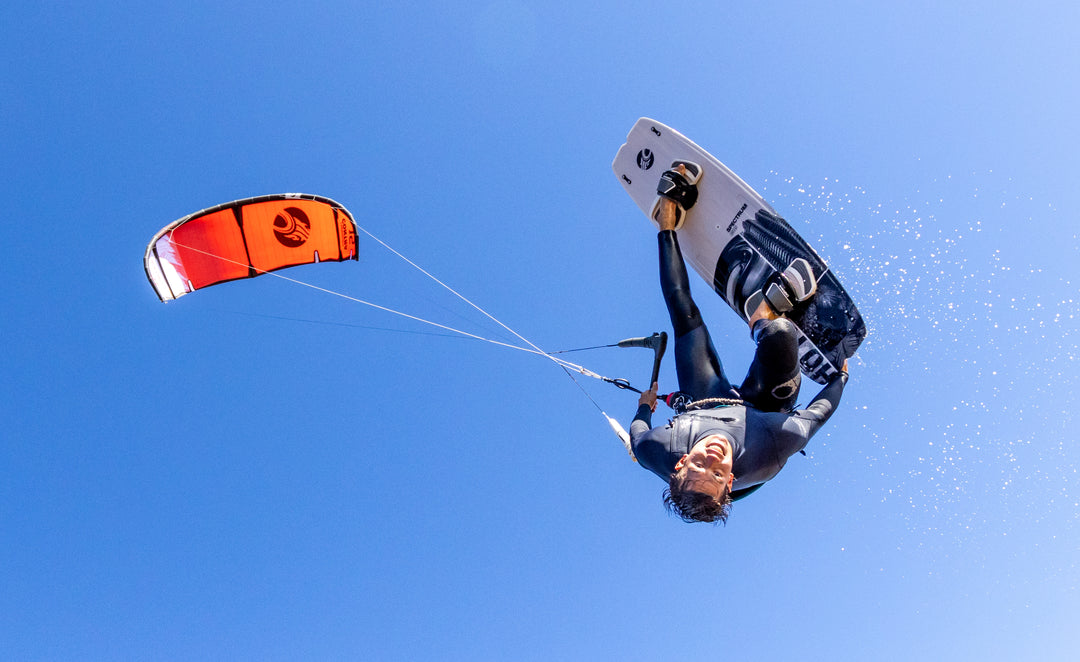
{"points": [[728, 441]]}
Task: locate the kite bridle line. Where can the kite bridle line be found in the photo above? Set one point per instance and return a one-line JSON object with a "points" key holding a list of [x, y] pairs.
{"points": [[532, 349], [659, 345], [568, 367], [658, 341]]}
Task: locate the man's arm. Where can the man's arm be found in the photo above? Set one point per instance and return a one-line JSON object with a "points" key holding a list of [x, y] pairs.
{"points": [[642, 422], [805, 423], [826, 402]]}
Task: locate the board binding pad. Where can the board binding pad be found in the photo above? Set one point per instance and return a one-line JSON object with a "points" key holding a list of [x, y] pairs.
{"points": [[736, 242]]}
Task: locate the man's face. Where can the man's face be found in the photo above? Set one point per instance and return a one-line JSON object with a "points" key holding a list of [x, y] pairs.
{"points": [[708, 466]]}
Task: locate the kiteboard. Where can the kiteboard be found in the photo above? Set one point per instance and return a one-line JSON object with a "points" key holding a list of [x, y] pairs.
{"points": [[736, 242]]}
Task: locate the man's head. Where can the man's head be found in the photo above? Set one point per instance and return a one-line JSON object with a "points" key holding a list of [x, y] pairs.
{"points": [[700, 488]]}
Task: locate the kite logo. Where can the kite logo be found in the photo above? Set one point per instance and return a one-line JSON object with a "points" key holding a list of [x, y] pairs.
{"points": [[645, 159], [292, 227]]}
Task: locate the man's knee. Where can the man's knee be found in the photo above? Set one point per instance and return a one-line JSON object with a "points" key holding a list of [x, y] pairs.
{"points": [[788, 390], [776, 331]]}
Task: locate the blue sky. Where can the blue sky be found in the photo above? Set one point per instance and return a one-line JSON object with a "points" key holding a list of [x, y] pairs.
{"points": [[262, 471]]}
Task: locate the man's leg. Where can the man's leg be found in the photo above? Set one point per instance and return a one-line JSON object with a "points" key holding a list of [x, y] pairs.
{"points": [[701, 375], [772, 383]]}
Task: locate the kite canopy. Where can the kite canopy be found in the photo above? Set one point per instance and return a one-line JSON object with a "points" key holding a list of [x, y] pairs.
{"points": [[246, 238]]}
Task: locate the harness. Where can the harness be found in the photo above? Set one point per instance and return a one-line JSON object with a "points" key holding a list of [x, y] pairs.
{"points": [[715, 403]]}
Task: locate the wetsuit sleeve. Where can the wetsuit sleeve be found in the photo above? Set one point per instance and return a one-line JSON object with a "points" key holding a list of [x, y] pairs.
{"points": [[826, 402], [651, 446], [804, 423], [641, 424]]}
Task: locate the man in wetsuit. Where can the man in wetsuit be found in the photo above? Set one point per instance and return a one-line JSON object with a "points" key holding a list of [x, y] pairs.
{"points": [[726, 447]]}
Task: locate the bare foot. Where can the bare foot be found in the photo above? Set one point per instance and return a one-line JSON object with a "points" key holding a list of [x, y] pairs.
{"points": [[668, 209]]}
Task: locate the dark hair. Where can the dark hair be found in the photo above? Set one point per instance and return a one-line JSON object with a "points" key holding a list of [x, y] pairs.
{"points": [[691, 506]]}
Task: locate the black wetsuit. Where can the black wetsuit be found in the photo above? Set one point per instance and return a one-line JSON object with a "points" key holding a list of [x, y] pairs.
{"points": [[765, 432]]}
